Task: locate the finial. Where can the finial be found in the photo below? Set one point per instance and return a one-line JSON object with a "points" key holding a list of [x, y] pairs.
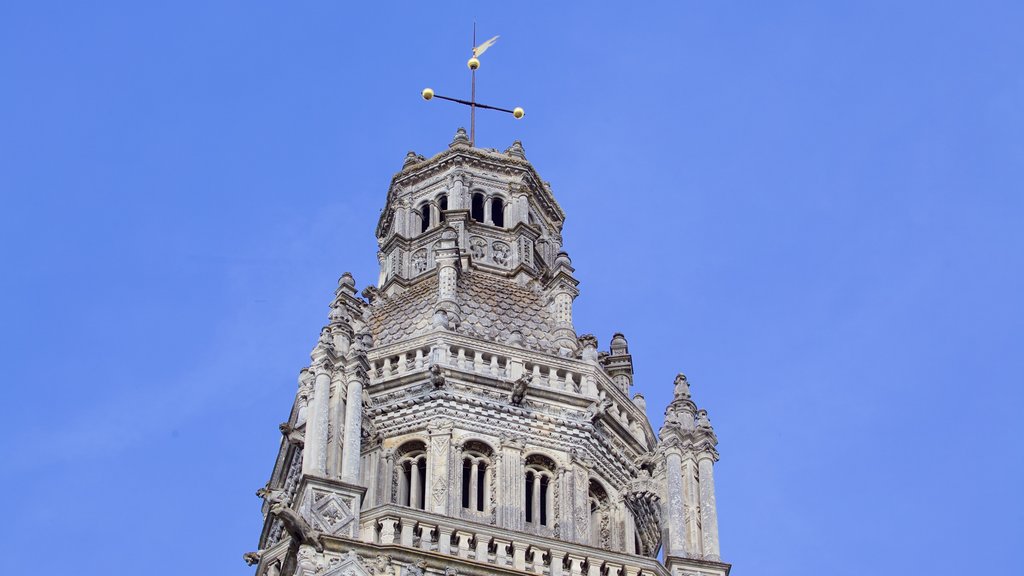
{"points": [[516, 150], [410, 159], [619, 344], [460, 138], [682, 387], [346, 285]]}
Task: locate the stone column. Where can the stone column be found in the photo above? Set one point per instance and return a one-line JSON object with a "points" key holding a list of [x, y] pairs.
{"points": [[352, 447], [675, 544], [459, 185], [708, 510], [439, 466], [447, 258], [474, 479], [511, 485], [314, 458]]}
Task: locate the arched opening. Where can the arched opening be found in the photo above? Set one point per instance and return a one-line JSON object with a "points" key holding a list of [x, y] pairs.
{"points": [[411, 468], [476, 477], [540, 476], [498, 212], [424, 217], [442, 205], [599, 518], [477, 207]]}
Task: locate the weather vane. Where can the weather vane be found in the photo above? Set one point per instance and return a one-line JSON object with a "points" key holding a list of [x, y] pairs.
{"points": [[474, 63]]}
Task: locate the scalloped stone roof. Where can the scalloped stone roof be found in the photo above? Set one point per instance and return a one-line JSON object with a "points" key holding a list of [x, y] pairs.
{"points": [[492, 309]]}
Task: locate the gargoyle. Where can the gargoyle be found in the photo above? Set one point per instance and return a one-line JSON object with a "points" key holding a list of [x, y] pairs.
{"points": [[252, 558], [436, 376], [519, 389], [273, 496], [297, 527], [598, 408], [292, 434]]}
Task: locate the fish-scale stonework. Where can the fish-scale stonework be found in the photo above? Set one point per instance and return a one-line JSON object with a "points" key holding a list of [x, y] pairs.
{"points": [[451, 421]]}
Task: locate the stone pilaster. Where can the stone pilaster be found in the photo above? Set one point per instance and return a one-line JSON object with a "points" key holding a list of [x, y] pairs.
{"points": [[439, 465], [314, 459], [673, 514], [337, 424], [708, 509], [691, 506], [511, 485], [579, 503], [355, 372]]}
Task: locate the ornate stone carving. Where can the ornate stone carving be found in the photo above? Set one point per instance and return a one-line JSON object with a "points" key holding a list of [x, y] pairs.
{"points": [[519, 389], [478, 247], [419, 261], [500, 253], [436, 376]]}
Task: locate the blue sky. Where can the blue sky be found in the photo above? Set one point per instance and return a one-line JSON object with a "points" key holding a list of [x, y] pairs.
{"points": [[812, 208]]}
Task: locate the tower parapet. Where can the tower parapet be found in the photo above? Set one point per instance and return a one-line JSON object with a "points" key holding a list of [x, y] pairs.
{"points": [[452, 418]]}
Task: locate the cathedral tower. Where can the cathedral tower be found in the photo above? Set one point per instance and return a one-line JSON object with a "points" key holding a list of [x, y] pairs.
{"points": [[452, 421]]}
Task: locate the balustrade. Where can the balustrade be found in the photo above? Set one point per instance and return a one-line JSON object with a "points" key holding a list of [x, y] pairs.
{"points": [[582, 380], [524, 552]]}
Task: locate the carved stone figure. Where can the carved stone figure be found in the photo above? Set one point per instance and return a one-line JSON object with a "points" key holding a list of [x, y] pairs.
{"points": [[682, 387], [293, 436], [519, 389], [297, 527], [253, 558], [436, 376], [382, 566]]}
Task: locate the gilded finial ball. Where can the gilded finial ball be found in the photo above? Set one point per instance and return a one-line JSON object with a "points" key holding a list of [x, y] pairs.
{"points": [[518, 112], [428, 93], [473, 63]]}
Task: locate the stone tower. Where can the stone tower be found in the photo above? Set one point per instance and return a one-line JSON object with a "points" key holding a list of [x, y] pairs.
{"points": [[452, 421]]}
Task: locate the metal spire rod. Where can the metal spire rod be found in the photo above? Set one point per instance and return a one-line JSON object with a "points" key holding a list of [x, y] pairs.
{"points": [[473, 64]]}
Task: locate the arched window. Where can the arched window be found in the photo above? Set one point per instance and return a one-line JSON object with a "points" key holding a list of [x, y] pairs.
{"points": [[476, 477], [539, 480], [498, 212], [477, 211], [424, 217], [599, 529], [442, 205], [411, 467]]}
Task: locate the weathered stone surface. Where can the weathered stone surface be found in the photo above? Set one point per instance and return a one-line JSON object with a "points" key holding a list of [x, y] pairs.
{"points": [[456, 412]]}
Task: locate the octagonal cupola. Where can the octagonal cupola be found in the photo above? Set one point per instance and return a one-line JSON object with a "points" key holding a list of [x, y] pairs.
{"points": [[505, 218]]}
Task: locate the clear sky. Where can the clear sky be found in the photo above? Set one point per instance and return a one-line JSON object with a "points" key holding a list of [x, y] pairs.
{"points": [[814, 209]]}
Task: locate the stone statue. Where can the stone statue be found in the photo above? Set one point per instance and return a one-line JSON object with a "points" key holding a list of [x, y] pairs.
{"points": [[436, 376], [519, 389], [370, 293], [274, 496], [682, 387], [297, 527], [382, 566], [293, 435], [253, 558], [702, 419], [415, 569]]}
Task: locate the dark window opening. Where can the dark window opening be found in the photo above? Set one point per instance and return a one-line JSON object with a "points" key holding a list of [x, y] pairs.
{"points": [[442, 205], [498, 212], [477, 211], [425, 217], [422, 464], [529, 498]]}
